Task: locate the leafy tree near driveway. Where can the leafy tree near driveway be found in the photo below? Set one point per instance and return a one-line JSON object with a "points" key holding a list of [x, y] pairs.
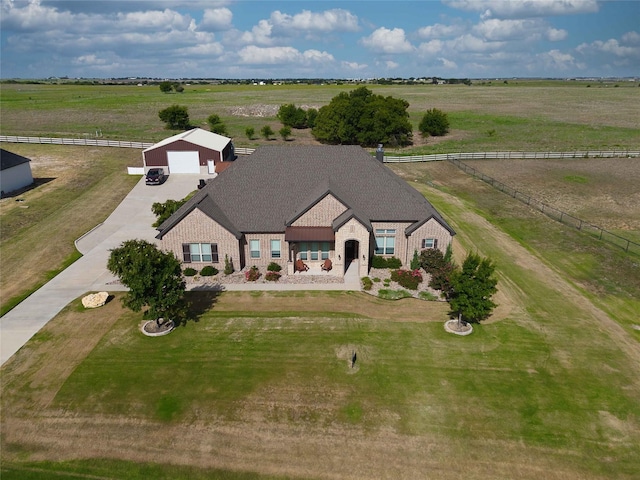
{"points": [[162, 211], [176, 117], [154, 279], [472, 288]]}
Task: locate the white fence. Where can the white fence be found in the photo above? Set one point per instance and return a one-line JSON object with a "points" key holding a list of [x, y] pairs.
{"points": [[88, 142], [387, 159], [513, 155]]}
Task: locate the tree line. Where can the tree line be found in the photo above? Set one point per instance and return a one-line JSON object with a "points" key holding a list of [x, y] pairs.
{"points": [[359, 117]]}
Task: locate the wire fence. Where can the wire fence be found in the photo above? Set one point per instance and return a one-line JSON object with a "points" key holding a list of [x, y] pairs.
{"points": [[513, 155], [600, 233]]}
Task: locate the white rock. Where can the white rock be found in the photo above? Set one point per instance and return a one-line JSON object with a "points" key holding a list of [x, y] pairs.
{"points": [[94, 300]]}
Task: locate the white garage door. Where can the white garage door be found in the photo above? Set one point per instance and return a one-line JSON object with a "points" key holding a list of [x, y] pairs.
{"points": [[183, 162]]}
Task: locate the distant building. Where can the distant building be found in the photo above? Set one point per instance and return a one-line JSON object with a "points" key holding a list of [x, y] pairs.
{"points": [[15, 172]]}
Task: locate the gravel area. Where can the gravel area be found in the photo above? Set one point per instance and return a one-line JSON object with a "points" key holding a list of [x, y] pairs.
{"points": [[385, 274], [239, 278]]}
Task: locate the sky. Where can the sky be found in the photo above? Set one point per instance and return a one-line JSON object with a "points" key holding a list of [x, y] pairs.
{"points": [[319, 39]]}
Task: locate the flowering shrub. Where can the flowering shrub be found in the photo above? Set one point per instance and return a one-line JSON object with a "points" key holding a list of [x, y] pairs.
{"points": [[252, 274], [407, 278], [272, 276]]}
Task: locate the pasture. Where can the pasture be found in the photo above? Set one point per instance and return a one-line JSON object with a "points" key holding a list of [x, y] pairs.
{"points": [[537, 116], [260, 385]]}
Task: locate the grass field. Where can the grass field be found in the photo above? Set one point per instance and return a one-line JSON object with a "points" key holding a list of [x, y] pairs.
{"points": [[76, 189], [525, 116]]}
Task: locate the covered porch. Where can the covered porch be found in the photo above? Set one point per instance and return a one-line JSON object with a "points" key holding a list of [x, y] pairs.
{"points": [[311, 251]]}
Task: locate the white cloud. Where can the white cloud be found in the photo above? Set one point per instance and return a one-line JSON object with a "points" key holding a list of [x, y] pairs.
{"points": [[335, 20], [391, 65], [472, 43], [556, 35], [631, 38], [439, 30], [252, 55], [384, 40], [431, 48], [354, 65], [555, 60], [216, 19], [610, 47], [518, 29], [524, 8], [260, 34], [448, 64]]}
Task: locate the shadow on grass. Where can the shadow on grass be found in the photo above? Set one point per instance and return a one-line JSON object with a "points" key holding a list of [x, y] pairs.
{"points": [[199, 302]]}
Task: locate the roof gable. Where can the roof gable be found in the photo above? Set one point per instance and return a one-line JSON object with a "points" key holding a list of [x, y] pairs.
{"points": [[197, 136]]}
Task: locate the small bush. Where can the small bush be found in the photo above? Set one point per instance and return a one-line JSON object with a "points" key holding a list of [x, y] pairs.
{"points": [[382, 262], [272, 276], [228, 265], [407, 278], [427, 296], [435, 122], [209, 271], [415, 261], [252, 274], [274, 267], [367, 284], [376, 279], [189, 272], [393, 294], [393, 262]]}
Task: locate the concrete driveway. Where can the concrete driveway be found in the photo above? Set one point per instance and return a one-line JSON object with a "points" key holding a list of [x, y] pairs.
{"points": [[132, 219]]}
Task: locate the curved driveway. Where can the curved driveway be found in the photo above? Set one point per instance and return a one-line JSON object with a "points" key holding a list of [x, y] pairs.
{"points": [[132, 219]]}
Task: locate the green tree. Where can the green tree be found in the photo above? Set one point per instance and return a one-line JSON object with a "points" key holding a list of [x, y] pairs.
{"points": [[178, 87], [216, 125], [267, 132], [162, 211], [362, 118], [312, 114], [166, 87], [176, 117], [154, 279], [285, 132], [472, 288], [250, 132], [292, 116], [435, 122]]}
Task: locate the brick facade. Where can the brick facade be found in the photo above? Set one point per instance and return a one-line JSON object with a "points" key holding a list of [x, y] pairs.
{"points": [[322, 213]]}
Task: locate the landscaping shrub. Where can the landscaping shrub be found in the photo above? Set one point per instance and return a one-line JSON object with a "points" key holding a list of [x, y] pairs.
{"points": [[394, 262], [432, 260], [427, 296], [393, 294], [272, 276], [415, 261], [209, 271], [189, 272], [407, 278], [382, 262], [274, 267], [252, 274], [228, 265], [376, 279], [367, 284]]}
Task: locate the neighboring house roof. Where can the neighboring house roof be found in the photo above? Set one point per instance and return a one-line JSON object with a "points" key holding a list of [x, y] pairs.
{"points": [[267, 190], [197, 136], [9, 159]]}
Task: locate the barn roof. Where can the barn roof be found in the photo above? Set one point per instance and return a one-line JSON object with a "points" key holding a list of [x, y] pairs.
{"points": [[197, 136], [9, 159]]}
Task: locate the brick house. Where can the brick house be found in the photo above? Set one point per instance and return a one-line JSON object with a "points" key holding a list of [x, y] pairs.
{"points": [[287, 203]]}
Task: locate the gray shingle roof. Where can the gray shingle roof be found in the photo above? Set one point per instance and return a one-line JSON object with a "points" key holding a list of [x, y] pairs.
{"points": [[9, 159], [267, 189]]}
